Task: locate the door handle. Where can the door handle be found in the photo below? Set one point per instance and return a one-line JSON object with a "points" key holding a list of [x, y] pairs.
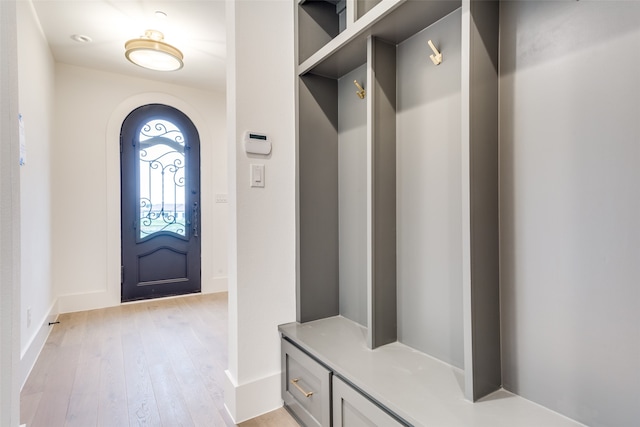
{"points": [[195, 219]]}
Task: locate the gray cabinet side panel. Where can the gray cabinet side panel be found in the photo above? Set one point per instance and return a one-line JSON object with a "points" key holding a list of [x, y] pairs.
{"points": [[483, 164], [318, 198], [352, 183], [428, 193], [383, 204], [570, 207]]}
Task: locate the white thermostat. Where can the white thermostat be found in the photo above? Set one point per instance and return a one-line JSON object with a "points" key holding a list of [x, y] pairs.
{"points": [[256, 143]]}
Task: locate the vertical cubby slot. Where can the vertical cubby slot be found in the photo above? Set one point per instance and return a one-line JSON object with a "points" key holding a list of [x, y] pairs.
{"points": [[333, 197], [319, 21], [430, 305], [364, 6], [352, 188]]}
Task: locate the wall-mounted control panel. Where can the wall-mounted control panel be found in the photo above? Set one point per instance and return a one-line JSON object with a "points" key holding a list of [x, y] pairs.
{"points": [[256, 143]]}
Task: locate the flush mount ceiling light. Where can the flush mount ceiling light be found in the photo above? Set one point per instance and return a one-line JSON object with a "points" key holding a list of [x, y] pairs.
{"points": [[150, 51]]}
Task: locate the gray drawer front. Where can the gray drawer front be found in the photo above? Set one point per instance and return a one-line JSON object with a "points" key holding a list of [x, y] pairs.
{"points": [[352, 409], [301, 374]]}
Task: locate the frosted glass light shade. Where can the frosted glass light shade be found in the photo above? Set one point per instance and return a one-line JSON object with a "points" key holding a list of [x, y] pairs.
{"points": [[152, 53]]}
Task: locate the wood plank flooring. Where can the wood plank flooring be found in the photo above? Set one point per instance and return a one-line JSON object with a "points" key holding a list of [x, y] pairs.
{"points": [[156, 363]]}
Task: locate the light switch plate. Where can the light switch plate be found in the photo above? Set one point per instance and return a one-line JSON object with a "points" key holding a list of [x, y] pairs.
{"points": [[257, 175]]}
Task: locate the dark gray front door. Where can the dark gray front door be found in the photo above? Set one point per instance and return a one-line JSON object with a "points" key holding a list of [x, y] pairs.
{"points": [[160, 199]]}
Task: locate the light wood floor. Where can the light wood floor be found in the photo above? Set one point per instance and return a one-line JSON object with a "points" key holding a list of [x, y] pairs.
{"points": [[157, 363]]}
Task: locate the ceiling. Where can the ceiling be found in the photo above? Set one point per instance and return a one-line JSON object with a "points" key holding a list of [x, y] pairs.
{"points": [[196, 27]]}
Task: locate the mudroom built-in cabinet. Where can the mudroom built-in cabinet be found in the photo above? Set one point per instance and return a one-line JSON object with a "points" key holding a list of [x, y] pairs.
{"points": [[397, 207]]}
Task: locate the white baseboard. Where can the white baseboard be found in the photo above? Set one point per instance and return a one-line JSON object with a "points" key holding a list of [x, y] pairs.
{"points": [[215, 285], [71, 303], [32, 351], [253, 399]]}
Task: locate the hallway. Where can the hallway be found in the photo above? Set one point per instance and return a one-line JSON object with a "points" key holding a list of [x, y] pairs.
{"points": [[155, 363]]}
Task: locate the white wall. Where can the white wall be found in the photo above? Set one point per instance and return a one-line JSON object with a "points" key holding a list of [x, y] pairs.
{"points": [[36, 97], [9, 220], [90, 108], [570, 207], [260, 95]]}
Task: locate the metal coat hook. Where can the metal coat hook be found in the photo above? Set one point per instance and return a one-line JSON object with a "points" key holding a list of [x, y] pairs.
{"points": [[437, 56], [361, 92]]}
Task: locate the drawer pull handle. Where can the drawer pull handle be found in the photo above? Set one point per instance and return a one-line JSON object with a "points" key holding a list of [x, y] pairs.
{"points": [[295, 383]]}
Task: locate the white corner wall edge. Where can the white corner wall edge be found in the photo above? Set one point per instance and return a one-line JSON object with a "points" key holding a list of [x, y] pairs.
{"points": [[33, 349], [246, 401]]}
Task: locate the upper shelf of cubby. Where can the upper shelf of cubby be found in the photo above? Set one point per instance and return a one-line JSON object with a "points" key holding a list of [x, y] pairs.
{"points": [[391, 20]]}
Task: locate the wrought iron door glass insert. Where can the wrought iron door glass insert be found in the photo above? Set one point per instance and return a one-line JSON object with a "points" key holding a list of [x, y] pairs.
{"points": [[162, 179]]}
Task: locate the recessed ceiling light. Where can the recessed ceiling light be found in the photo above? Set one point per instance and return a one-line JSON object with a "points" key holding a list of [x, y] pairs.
{"points": [[160, 14], [81, 38]]}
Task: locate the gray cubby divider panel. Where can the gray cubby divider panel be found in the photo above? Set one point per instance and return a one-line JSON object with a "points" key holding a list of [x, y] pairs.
{"points": [[481, 282], [382, 162], [318, 198]]}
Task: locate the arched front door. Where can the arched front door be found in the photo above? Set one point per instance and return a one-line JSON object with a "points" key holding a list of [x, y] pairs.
{"points": [[160, 199]]}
